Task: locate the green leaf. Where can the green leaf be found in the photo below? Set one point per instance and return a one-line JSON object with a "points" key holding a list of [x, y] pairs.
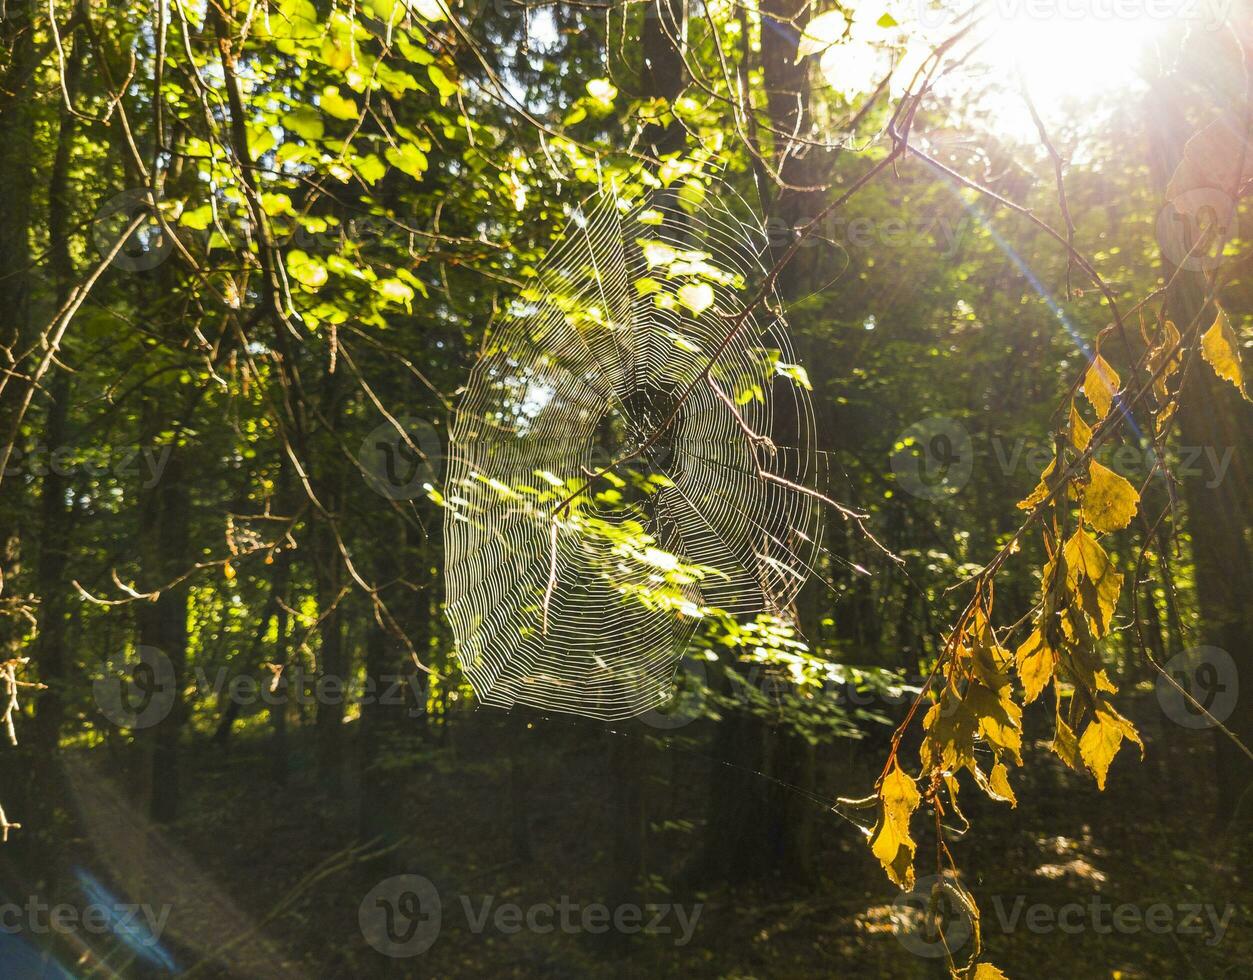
{"points": [[336, 106], [305, 122], [602, 90], [395, 291], [431, 10], [306, 270], [796, 373], [275, 204], [369, 168], [408, 158], [446, 88], [198, 218]]}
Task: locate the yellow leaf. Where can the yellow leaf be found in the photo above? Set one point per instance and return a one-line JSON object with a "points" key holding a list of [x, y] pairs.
{"points": [[986, 971], [1164, 416], [999, 783], [1100, 385], [229, 571], [1109, 500], [999, 716], [950, 726], [1100, 743], [1165, 359], [1080, 431], [1066, 746], [1091, 577], [891, 842], [1040, 492], [1221, 348], [1035, 665]]}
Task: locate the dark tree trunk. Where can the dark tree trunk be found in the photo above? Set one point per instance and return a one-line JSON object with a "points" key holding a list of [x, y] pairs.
{"points": [[1213, 414], [164, 547], [329, 570]]}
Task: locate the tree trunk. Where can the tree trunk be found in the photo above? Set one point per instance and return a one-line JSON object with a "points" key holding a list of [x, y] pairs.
{"points": [[1212, 414], [164, 547]]}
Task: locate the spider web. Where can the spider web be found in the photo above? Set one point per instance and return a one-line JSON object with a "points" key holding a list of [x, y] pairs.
{"points": [[607, 487]]}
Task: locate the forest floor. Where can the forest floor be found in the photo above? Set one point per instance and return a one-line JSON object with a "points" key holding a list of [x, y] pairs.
{"points": [[263, 880]]}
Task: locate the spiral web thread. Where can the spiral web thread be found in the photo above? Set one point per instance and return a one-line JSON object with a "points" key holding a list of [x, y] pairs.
{"points": [[578, 592]]}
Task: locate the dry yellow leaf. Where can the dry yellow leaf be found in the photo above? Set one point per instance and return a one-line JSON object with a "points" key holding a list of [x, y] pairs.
{"points": [[1091, 577], [1040, 492], [1100, 743], [891, 842], [1221, 348], [1066, 746], [1100, 385], [999, 782], [1080, 431], [1109, 500], [1035, 665]]}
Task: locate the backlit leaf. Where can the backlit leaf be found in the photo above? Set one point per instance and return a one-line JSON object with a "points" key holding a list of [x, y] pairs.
{"points": [[1100, 385], [821, 32], [305, 122], [1080, 431], [1100, 743], [1090, 575], [890, 842], [443, 84], [408, 158], [998, 781], [1221, 348], [1109, 500], [696, 296], [1035, 665]]}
